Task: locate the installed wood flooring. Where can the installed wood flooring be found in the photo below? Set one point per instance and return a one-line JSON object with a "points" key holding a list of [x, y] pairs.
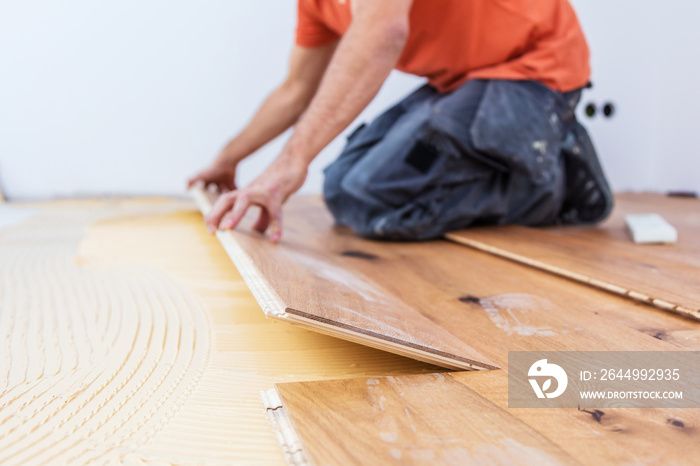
{"points": [[462, 418], [489, 304], [436, 295], [666, 276]]}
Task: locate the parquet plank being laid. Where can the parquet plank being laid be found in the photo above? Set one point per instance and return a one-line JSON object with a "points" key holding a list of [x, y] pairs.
{"points": [[666, 276], [462, 418], [437, 288], [298, 282]]}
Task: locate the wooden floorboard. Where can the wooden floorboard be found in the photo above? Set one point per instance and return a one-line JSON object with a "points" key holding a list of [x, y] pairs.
{"points": [[440, 294], [491, 305], [665, 276], [463, 418], [429, 419], [604, 436], [312, 279]]}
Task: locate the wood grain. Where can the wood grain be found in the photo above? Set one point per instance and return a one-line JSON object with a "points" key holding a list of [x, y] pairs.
{"points": [[463, 418], [665, 276], [492, 305], [428, 419], [442, 289], [302, 281], [604, 436]]}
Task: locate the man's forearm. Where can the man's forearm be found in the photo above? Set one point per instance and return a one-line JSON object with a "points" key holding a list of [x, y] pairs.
{"points": [[278, 112], [362, 62]]}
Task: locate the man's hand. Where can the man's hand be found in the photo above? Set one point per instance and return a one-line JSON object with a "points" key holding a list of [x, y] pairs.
{"points": [[269, 191], [279, 111], [358, 66], [220, 174]]}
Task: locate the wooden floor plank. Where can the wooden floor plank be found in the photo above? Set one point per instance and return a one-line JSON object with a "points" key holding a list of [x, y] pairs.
{"points": [[463, 418], [492, 305], [429, 419], [440, 292], [310, 280], [604, 436], [683, 213], [666, 276]]}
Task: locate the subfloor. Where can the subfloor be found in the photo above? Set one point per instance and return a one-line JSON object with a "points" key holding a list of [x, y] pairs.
{"points": [[127, 336]]}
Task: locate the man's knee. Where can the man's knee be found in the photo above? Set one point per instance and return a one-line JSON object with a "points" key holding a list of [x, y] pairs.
{"points": [[346, 209]]}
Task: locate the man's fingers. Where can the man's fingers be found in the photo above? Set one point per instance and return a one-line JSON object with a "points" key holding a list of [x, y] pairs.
{"points": [[224, 187], [275, 229], [263, 221], [237, 213], [196, 182], [221, 206], [230, 208], [198, 179], [230, 184], [225, 220]]}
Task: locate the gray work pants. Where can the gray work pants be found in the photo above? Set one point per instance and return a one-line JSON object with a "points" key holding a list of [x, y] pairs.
{"points": [[487, 153]]}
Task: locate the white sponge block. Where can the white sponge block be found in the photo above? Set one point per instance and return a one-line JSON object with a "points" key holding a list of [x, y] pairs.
{"points": [[650, 228]]}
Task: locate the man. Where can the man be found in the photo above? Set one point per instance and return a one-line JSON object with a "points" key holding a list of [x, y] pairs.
{"points": [[491, 139]]}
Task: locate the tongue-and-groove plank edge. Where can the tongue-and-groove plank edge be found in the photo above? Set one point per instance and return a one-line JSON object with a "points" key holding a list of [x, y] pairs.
{"points": [[299, 282], [664, 276]]}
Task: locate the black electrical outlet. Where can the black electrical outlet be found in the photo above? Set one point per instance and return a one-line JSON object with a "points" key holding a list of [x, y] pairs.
{"points": [[609, 109], [591, 110]]}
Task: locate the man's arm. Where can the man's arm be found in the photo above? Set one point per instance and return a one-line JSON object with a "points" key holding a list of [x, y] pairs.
{"points": [[278, 112], [363, 60]]}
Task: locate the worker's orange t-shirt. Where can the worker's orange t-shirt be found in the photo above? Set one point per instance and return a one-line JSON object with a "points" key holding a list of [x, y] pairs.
{"points": [[452, 41]]}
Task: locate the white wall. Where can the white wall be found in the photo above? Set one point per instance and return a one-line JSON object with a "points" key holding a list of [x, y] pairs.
{"points": [[132, 97], [645, 59]]}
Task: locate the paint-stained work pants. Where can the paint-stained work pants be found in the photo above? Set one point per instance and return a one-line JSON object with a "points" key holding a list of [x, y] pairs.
{"points": [[486, 153]]}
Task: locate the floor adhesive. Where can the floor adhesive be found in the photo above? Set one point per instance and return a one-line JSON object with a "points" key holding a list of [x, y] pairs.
{"points": [[127, 337]]}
